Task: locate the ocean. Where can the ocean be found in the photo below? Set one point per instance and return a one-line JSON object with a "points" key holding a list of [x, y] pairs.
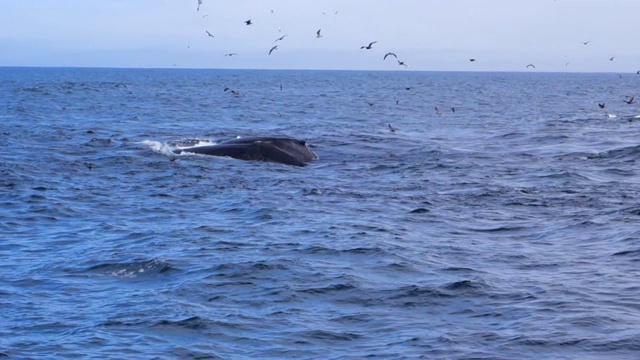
{"points": [[498, 220]]}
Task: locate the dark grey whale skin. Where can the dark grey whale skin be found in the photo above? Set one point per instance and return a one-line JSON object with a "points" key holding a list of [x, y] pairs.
{"points": [[271, 149]]}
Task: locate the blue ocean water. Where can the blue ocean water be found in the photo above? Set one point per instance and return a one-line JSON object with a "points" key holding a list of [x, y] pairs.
{"points": [[505, 229]]}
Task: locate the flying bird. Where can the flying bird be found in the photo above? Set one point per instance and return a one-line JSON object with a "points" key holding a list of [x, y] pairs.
{"points": [[531, 65], [234, 92], [208, 33], [318, 36], [248, 22], [585, 42], [438, 112], [281, 38], [602, 106], [611, 58], [199, 3], [368, 47], [472, 59], [230, 54], [389, 54], [272, 49], [401, 63], [392, 129], [631, 101]]}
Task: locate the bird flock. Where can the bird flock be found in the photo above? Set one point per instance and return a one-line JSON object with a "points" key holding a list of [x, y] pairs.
{"points": [[369, 46], [318, 35]]}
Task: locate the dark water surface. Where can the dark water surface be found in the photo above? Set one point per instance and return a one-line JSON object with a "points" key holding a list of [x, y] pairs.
{"points": [[508, 229]]}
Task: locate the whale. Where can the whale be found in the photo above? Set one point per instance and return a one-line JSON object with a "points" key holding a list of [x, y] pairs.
{"points": [[281, 150]]}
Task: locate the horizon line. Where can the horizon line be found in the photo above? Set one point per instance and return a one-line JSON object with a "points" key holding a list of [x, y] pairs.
{"points": [[309, 69]]}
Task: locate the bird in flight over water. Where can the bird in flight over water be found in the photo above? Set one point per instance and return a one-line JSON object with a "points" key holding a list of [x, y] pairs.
{"points": [[234, 92], [585, 42], [401, 63], [631, 101], [392, 129], [368, 47], [602, 106], [199, 3], [611, 58], [531, 65], [472, 59], [389, 54], [208, 33], [272, 49], [281, 38], [248, 22], [230, 54], [318, 36]]}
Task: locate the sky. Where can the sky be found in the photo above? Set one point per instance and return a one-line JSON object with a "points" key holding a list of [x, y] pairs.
{"points": [[427, 35]]}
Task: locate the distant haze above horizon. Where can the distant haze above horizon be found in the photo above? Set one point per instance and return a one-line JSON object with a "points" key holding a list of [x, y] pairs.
{"points": [[437, 35]]}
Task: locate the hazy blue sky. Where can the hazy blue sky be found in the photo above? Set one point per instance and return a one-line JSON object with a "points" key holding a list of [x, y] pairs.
{"points": [[503, 35]]}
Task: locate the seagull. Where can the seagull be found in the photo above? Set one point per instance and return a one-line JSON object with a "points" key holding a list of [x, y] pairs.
{"points": [[438, 112], [199, 3], [248, 22], [611, 58], [472, 59], [531, 65], [318, 36], [389, 54], [567, 63], [234, 92], [401, 63], [631, 101], [638, 72], [585, 42], [281, 38], [392, 129], [602, 106], [208, 33], [368, 47], [230, 54], [272, 49]]}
